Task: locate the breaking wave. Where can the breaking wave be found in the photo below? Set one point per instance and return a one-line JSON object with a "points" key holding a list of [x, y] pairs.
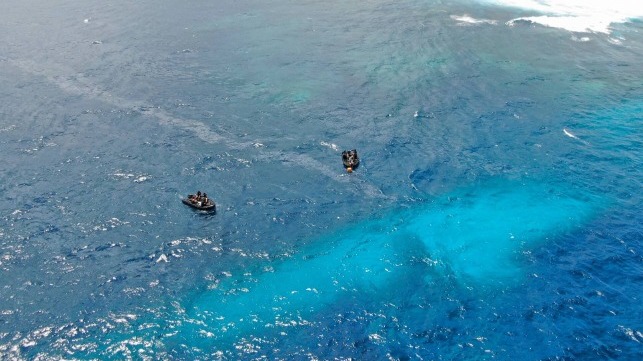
{"points": [[576, 15]]}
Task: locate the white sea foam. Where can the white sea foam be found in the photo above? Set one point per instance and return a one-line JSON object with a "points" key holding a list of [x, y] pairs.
{"points": [[636, 336], [466, 19], [569, 134], [141, 179], [615, 41], [576, 24], [576, 15], [581, 39], [329, 145], [572, 135]]}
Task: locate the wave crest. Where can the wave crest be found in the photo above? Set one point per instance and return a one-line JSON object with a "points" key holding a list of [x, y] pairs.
{"points": [[576, 15]]}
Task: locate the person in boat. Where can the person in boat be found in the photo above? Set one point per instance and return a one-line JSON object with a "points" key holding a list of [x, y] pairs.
{"points": [[350, 156], [194, 198], [205, 199], [345, 156], [350, 159]]}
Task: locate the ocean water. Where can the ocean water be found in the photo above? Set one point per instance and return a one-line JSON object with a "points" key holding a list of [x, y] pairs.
{"points": [[496, 213]]}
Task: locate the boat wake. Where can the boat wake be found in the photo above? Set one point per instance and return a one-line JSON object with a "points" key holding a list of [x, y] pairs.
{"points": [[77, 84]]}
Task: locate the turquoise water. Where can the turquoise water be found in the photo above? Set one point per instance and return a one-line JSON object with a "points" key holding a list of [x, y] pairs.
{"points": [[495, 213]]}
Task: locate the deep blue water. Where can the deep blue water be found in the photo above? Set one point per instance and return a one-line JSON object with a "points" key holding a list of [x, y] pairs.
{"points": [[496, 213]]}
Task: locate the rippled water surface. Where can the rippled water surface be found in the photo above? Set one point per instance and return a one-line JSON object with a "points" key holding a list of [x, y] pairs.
{"points": [[496, 213]]}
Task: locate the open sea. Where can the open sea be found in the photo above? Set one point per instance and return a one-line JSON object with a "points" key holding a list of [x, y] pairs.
{"points": [[497, 213]]}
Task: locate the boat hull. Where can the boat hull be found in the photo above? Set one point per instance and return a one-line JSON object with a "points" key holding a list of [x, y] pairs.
{"points": [[210, 206]]}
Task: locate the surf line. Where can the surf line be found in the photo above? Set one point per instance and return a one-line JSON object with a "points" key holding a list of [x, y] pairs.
{"points": [[78, 84]]}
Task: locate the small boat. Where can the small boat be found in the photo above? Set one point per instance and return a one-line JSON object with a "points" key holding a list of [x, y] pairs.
{"points": [[192, 202], [350, 160]]}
